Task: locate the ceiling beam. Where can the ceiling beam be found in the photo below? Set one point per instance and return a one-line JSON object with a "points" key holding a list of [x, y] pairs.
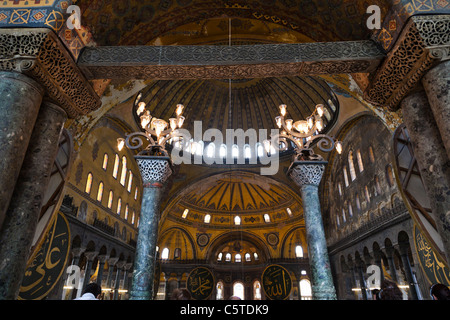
{"points": [[229, 62]]}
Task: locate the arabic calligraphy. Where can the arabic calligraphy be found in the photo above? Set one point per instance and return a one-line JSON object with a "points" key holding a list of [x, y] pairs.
{"points": [[435, 270], [200, 283], [47, 265], [277, 282]]}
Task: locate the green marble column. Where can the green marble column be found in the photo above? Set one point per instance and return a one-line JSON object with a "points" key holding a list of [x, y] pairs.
{"points": [[20, 99], [307, 175], [22, 216], [154, 171]]}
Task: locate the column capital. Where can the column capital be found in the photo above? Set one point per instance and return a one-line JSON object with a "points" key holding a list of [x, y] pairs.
{"points": [[307, 172], [39, 54], [423, 43], [155, 170]]}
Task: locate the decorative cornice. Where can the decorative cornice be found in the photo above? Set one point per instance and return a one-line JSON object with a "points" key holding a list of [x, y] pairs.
{"points": [[224, 62], [40, 54], [424, 42]]}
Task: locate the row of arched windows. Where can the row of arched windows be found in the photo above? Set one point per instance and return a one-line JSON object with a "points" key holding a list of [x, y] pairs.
{"points": [[237, 219]]}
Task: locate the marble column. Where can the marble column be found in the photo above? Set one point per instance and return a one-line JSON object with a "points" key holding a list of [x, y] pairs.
{"points": [[391, 262], [154, 172], [20, 99], [437, 86], [432, 160], [409, 275], [307, 175], [19, 226], [90, 256], [119, 267], [101, 260]]}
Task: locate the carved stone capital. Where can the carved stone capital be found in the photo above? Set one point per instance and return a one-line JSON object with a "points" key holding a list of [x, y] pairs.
{"points": [[40, 54], [423, 43], [307, 172], [154, 170]]}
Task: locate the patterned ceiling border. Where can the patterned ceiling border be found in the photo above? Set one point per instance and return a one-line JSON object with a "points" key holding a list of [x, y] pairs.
{"points": [[40, 54], [223, 62], [423, 43]]}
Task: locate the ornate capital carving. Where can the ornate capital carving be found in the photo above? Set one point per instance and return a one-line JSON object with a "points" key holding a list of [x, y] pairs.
{"points": [[307, 172], [39, 54], [424, 42], [154, 170]]}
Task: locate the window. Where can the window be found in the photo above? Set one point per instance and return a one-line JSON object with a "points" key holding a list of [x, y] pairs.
{"points": [[210, 150], [133, 216], [237, 220], [110, 199], [223, 151], [305, 289], [351, 166], [207, 218], [289, 212], [358, 202], [366, 191], [389, 175], [371, 156], [256, 290], [266, 218], [116, 166], [350, 209], [298, 251], [340, 189], [238, 290], [219, 290], [237, 258], [360, 162], [100, 192], [338, 222], [119, 205], [135, 193], [165, 254], [235, 151], [344, 218], [185, 213], [248, 257], [345, 176], [228, 257], [126, 212], [247, 152], [130, 180], [88, 183], [259, 150], [219, 256], [105, 161], [123, 175], [255, 255]]}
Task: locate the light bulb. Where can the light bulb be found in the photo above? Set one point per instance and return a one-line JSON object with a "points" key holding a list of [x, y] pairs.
{"points": [[179, 110], [278, 121], [145, 119], [319, 125], [283, 108], [173, 123], [339, 147], [320, 110], [141, 108], [120, 143], [180, 121], [289, 123]]}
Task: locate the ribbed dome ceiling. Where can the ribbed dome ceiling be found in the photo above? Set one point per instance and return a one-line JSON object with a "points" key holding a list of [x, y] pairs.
{"points": [[242, 104]]}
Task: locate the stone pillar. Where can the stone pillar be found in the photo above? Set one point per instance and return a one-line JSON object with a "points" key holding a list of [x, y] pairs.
{"points": [[119, 267], [20, 99], [101, 266], [437, 86], [154, 172], [307, 175], [408, 273], [90, 256], [432, 160], [19, 226]]}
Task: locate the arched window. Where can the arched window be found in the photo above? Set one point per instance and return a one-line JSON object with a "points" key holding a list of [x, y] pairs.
{"points": [[105, 162], [165, 254], [237, 220], [256, 290], [266, 218], [119, 206], [350, 209], [100, 192], [344, 218], [219, 290], [366, 191], [247, 152], [110, 199], [185, 213], [248, 257], [223, 151], [116, 166], [360, 162], [338, 222], [135, 193], [228, 257], [123, 175], [305, 289], [130, 180], [298, 251], [351, 165], [371, 155], [237, 258], [390, 175], [345, 176], [219, 256], [255, 255], [235, 151], [259, 150], [88, 183], [133, 216], [210, 150], [207, 218], [126, 212], [238, 290], [340, 189], [289, 212]]}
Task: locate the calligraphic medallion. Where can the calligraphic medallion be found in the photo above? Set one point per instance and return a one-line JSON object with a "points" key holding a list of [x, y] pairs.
{"points": [[200, 283], [433, 267], [48, 263], [276, 282]]}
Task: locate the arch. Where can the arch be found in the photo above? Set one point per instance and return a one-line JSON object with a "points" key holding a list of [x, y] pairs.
{"points": [[239, 289], [176, 237], [295, 236]]}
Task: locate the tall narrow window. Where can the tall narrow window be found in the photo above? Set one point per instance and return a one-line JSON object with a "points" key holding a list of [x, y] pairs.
{"points": [[105, 161], [247, 152], [305, 289], [237, 220], [298, 251], [256, 290], [371, 155], [219, 290], [219, 256], [266, 218], [100, 192], [360, 162], [358, 203], [248, 257], [123, 176], [366, 191], [235, 151], [223, 151], [110, 199], [351, 165], [350, 209], [390, 175], [116, 166], [185, 213], [344, 218], [345, 176], [126, 212], [165, 254], [340, 189], [237, 258], [238, 290], [259, 150], [207, 218], [133, 217], [130, 180], [228, 257], [135, 193], [119, 206], [88, 183]]}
